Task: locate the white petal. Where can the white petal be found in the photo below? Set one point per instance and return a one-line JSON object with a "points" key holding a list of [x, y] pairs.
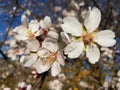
{"points": [[33, 45], [29, 60], [55, 69], [21, 30], [24, 20], [21, 37], [105, 38], [65, 37], [43, 52], [50, 44], [93, 19], [60, 58], [46, 23], [93, 53], [72, 25], [41, 68], [53, 34], [74, 49], [34, 26]]}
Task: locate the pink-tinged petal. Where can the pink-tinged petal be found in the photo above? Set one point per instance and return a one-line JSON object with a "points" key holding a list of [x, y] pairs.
{"points": [[92, 19], [40, 67], [43, 52], [50, 44], [55, 69], [34, 26], [74, 49], [72, 25], [33, 45], [60, 58], [105, 38], [29, 60], [93, 53], [24, 20], [53, 34], [65, 37], [46, 23]]}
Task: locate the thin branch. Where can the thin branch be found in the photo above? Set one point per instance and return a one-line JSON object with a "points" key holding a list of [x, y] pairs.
{"points": [[108, 18], [10, 25], [4, 56]]}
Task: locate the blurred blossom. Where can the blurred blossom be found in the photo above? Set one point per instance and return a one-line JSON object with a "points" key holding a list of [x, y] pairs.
{"points": [[75, 5], [106, 85], [85, 37], [107, 52], [118, 73], [7, 88], [27, 12], [69, 13], [23, 86], [61, 77], [55, 85], [82, 3], [118, 86], [57, 8], [84, 84]]}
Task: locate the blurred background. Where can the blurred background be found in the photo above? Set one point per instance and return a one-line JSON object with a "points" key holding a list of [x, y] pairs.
{"points": [[77, 74]]}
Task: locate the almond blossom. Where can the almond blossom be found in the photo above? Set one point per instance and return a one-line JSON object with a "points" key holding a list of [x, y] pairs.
{"points": [[86, 37], [27, 31], [51, 57]]}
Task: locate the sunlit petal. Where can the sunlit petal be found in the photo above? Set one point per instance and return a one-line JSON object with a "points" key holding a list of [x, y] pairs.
{"points": [[72, 25], [33, 45], [46, 23], [34, 26], [93, 19], [93, 53], [53, 34], [24, 20], [60, 58], [105, 38], [74, 49], [65, 37], [55, 69], [30, 60], [50, 44], [40, 67]]}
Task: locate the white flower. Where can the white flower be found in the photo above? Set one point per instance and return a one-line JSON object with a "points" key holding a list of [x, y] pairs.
{"points": [[27, 31], [85, 37], [50, 57], [49, 60]]}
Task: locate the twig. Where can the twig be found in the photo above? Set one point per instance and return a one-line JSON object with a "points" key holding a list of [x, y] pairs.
{"points": [[11, 22], [108, 18], [4, 56], [40, 81]]}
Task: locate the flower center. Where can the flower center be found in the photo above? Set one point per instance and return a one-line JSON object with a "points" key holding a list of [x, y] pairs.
{"points": [[49, 59], [87, 38], [30, 34]]}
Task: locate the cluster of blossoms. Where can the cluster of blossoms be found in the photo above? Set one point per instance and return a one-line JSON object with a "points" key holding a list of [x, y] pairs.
{"points": [[42, 49]]}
